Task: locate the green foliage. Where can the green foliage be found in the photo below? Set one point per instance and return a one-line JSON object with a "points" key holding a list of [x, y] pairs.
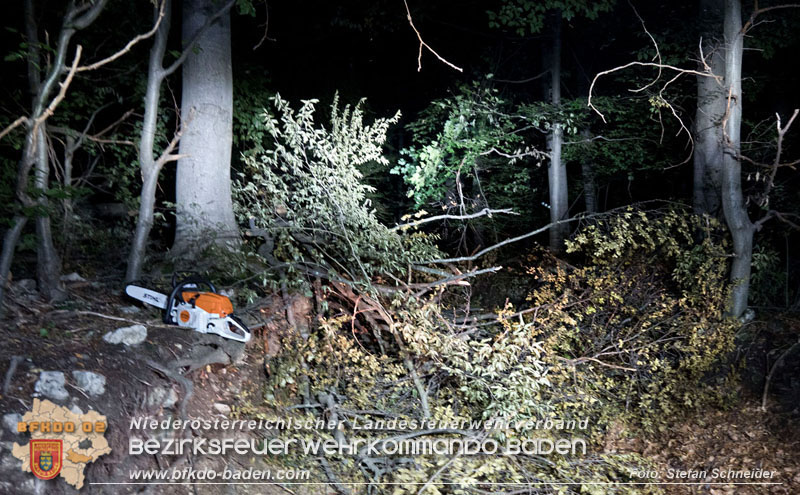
{"points": [[304, 188], [473, 150], [638, 332], [768, 278], [499, 372], [250, 134], [631, 335], [528, 17]]}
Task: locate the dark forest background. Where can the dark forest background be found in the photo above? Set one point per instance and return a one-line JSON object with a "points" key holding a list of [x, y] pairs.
{"points": [[583, 209]]}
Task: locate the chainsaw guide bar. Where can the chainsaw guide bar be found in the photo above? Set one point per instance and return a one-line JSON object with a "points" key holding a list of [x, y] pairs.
{"points": [[187, 306]]}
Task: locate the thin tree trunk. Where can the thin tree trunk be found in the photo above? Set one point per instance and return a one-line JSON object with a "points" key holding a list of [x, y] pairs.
{"points": [[204, 208], [588, 177], [48, 265], [733, 203], [35, 152], [10, 240], [144, 224], [150, 169], [557, 172], [711, 108]]}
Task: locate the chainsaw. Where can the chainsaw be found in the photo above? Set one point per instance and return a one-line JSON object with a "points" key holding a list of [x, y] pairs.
{"points": [[187, 306]]}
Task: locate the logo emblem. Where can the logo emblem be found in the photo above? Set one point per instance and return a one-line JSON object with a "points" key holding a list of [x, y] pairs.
{"points": [[46, 456]]}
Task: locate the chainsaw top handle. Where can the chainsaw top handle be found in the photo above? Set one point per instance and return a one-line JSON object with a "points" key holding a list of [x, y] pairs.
{"points": [[194, 278], [193, 282]]}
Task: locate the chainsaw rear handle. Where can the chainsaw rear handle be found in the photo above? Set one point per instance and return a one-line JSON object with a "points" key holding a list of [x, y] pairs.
{"points": [[177, 289]]}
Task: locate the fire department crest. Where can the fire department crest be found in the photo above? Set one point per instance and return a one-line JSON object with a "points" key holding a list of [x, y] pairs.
{"points": [[62, 442], [46, 458]]}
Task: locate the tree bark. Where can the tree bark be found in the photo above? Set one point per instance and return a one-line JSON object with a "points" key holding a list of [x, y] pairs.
{"points": [[204, 208], [733, 203], [148, 165], [144, 223], [711, 108], [34, 156], [588, 176], [48, 263], [10, 240], [557, 171]]}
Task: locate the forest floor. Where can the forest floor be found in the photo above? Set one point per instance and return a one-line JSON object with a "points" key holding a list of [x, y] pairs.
{"points": [[223, 376], [742, 437]]}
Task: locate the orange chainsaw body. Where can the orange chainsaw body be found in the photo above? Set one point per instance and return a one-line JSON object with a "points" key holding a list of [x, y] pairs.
{"points": [[209, 302]]}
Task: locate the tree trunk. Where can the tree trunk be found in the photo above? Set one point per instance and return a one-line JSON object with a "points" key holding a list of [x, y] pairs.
{"points": [[733, 203], [48, 263], [557, 172], [144, 223], [711, 108], [204, 208], [34, 155], [588, 177], [148, 165], [10, 240]]}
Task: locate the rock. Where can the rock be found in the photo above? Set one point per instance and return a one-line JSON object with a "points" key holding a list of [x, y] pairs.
{"points": [[51, 385], [10, 421], [748, 316], [162, 397], [222, 408], [132, 335], [76, 410], [92, 383], [72, 277], [129, 310], [27, 284]]}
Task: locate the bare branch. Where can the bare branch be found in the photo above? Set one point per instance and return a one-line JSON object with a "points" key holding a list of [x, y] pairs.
{"points": [[783, 217], [595, 360], [758, 11], [113, 124], [641, 64], [600, 137], [657, 56], [13, 125], [423, 44], [772, 372], [167, 155], [456, 279], [509, 241], [781, 133], [61, 92], [483, 212], [265, 37], [129, 45], [706, 72], [190, 46]]}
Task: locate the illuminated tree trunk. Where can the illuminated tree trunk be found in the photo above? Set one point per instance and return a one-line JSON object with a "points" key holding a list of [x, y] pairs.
{"points": [[733, 203], [557, 171], [711, 107], [150, 167], [204, 209]]}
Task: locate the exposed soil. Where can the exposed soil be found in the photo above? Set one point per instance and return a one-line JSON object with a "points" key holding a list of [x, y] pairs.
{"points": [[70, 338]]}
